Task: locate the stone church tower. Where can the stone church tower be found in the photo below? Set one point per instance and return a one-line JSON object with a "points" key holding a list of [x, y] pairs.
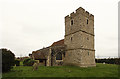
{"points": [[79, 39]]}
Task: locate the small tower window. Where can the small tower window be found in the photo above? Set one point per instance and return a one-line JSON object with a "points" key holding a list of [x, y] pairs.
{"points": [[71, 22], [87, 38], [87, 21], [71, 38]]}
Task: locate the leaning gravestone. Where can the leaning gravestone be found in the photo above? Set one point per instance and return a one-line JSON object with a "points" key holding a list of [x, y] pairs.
{"points": [[35, 66]]}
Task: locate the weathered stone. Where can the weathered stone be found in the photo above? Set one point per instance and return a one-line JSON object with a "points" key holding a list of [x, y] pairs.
{"points": [[79, 39], [77, 48], [35, 66]]}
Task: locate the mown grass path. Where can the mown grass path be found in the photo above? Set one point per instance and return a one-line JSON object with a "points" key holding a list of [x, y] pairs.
{"points": [[101, 70]]}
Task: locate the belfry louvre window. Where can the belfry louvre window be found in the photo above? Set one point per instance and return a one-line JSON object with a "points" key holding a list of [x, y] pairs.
{"points": [[87, 21], [59, 56], [71, 22]]}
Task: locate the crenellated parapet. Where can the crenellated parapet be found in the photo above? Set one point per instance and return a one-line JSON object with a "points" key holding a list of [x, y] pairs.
{"points": [[67, 18], [82, 11]]}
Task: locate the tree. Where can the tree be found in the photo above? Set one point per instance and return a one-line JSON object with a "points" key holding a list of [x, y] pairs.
{"points": [[8, 59]]}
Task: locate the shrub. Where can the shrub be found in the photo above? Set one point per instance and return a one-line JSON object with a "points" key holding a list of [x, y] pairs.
{"points": [[25, 61], [109, 61], [8, 59], [28, 62], [17, 62]]}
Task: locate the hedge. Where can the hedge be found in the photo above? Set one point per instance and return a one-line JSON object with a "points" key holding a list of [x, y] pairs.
{"points": [[109, 61]]}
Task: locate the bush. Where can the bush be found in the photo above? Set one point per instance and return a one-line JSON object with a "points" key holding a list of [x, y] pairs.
{"points": [[17, 62], [28, 62], [109, 61], [25, 61], [8, 59]]}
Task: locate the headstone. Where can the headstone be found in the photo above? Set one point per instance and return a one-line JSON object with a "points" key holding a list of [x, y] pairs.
{"points": [[35, 66]]}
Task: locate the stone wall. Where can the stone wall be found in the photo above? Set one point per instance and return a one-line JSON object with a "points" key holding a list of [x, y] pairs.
{"points": [[55, 50], [79, 22], [49, 55], [80, 57], [79, 38], [49, 58]]}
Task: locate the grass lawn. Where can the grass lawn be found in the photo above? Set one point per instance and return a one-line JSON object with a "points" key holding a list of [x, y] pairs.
{"points": [[101, 70]]}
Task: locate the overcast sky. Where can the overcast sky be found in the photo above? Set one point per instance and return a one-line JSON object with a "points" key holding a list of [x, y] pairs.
{"points": [[29, 25]]}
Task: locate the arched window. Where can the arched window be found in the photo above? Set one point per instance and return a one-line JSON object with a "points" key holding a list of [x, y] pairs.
{"points": [[59, 56]]}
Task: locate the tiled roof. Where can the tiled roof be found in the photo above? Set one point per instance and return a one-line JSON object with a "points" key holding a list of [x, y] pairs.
{"points": [[58, 43], [41, 54]]}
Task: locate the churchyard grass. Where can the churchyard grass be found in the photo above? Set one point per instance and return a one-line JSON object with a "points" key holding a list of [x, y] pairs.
{"points": [[101, 70]]}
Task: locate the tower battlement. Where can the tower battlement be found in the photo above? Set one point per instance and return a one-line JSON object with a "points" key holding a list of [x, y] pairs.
{"points": [[78, 11]]}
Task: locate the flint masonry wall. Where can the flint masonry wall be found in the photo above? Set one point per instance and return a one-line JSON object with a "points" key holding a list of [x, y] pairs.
{"points": [[79, 38], [55, 51]]}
